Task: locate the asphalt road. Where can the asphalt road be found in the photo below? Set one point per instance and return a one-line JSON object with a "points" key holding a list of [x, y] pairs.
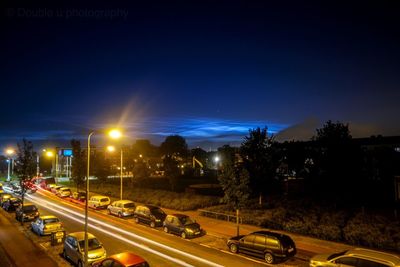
{"points": [[117, 235]]}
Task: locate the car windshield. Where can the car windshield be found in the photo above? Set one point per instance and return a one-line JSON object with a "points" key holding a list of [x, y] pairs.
{"points": [[30, 208], [93, 243], [336, 255], [142, 264], [15, 200], [186, 220], [66, 189], [51, 220], [157, 211], [286, 241], [129, 205]]}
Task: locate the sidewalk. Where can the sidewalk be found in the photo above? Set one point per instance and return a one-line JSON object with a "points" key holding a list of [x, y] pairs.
{"points": [[17, 250]]}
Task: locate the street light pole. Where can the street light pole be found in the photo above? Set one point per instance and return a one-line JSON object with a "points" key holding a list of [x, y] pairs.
{"points": [[87, 198], [8, 172], [121, 172], [37, 166]]}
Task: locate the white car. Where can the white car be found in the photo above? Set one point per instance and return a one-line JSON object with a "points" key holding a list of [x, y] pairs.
{"points": [[64, 192], [45, 225], [99, 202], [121, 208]]}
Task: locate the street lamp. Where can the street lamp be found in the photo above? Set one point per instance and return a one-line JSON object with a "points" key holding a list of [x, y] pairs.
{"points": [[51, 154], [9, 153], [112, 149], [114, 134]]}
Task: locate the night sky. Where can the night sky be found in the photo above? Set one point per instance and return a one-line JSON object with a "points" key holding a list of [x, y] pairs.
{"points": [[207, 70]]}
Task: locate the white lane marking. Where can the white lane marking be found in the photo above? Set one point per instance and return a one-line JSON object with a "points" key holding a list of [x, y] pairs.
{"points": [[135, 235], [180, 262]]}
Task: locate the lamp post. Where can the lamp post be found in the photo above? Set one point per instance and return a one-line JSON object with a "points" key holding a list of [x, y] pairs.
{"points": [[9, 152], [111, 149], [115, 134]]}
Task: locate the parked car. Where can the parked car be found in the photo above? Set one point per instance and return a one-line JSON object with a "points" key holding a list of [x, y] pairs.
{"points": [[149, 214], [8, 187], [125, 259], [356, 257], [55, 189], [99, 202], [11, 204], [4, 197], [26, 212], [121, 208], [74, 246], [45, 225], [64, 192], [182, 225], [81, 196], [266, 244]]}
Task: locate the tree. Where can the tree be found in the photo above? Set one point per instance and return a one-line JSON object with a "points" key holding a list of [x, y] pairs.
{"points": [[78, 164], [235, 182], [101, 166], [258, 152], [25, 165], [333, 133], [174, 145], [227, 155], [171, 169]]}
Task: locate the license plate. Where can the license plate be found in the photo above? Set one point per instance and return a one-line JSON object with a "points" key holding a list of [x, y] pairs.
{"points": [[290, 249]]}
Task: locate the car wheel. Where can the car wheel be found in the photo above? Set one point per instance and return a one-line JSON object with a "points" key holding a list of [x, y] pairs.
{"points": [[136, 219], [152, 224], [233, 248], [183, 235], [166, 229], [269, 258], [119, 214], [109, 211]]}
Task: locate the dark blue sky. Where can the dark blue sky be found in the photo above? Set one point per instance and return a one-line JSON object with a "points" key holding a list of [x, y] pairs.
{"points": [[208, 70]]}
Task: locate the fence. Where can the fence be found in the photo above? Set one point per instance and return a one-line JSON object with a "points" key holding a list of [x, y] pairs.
{"points": [[220, 216]]}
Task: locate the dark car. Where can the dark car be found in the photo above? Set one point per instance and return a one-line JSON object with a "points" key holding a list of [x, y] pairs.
{"points": [[151, 215], [11, 204], [182, 225], [269, 245], [28, 212], [80, 196]]}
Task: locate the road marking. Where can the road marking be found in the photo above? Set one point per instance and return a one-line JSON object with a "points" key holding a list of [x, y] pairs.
{"points": [[129, 234]]}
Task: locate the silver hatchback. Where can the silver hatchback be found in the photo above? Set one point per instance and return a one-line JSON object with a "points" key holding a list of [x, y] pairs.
{"points": [[121, 208], [74, 248]]}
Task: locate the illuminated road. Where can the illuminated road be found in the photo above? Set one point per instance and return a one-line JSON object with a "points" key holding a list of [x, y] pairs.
{"points": [[157, 247]]}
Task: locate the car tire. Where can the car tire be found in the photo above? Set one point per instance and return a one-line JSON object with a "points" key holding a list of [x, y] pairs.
{"points": [[269, 258], [166, 229], [109, 211], [119, 214], [152, 224], [183, 235], [233, 248], [136, 220]]}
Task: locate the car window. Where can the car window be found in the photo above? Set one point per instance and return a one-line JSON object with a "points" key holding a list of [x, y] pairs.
{"points": [[351, 261], [51, 220], [249, 238], [143, 264], [260, 240], [107, 263], [272, 242], [368, 263], [93, 243], [157, 211], [186, 221], [117, 264], [30, 208], [334, 255], [129, 205], [104, 200]]}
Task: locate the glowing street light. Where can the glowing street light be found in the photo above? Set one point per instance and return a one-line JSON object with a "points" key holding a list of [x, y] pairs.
{"points": [[9, 152], [114, 134]]}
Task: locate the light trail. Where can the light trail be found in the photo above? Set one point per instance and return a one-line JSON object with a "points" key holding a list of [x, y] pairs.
{"points": [[209, 263]]}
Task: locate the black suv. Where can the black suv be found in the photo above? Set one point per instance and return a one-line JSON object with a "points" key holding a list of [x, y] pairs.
{"points": [[268, 245], [182, 225], [151, 215], [28, 212], [11, 204]]}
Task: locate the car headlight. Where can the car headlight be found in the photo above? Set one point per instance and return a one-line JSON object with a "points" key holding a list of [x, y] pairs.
{"points": [[158, 220], [189, 230]]}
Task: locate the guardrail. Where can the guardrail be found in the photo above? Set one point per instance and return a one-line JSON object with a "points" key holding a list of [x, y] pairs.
{"points": [[220, 216]]}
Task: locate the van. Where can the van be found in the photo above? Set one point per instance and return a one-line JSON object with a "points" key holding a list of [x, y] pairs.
{"points": [[99, 202]]}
